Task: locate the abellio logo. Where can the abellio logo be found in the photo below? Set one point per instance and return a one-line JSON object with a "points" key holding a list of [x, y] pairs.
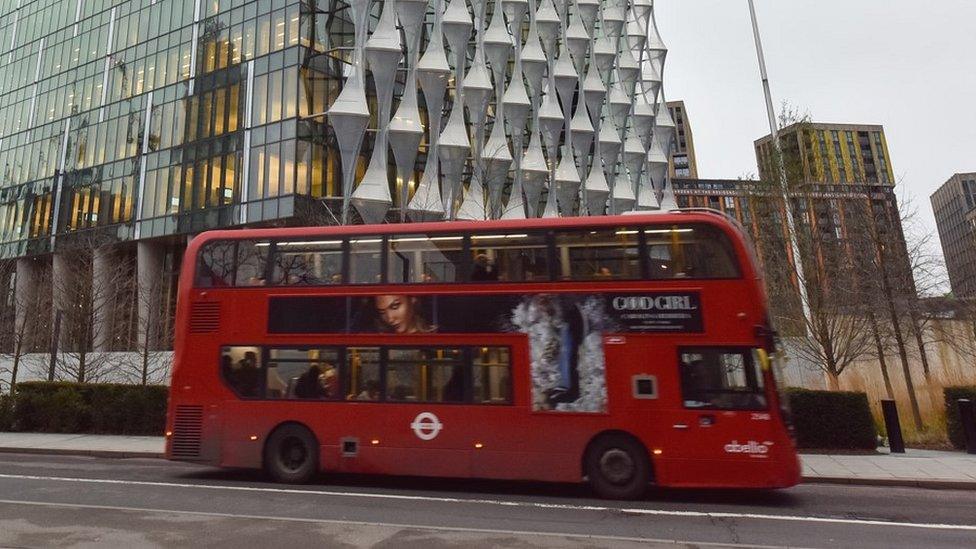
{"points": [[751, 447]]}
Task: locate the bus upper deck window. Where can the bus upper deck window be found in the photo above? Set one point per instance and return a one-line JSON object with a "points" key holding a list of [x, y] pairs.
{"points": [[695, 251], [315, 262], [232, 263], [366, 260], [421, 258], [612, 254], [509, 257]]}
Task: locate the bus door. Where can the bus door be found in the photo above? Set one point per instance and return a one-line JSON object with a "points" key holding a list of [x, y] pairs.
{"points": [[724, 417]]}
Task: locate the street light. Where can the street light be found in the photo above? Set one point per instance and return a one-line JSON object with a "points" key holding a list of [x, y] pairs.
{"points": [[781, 169]]}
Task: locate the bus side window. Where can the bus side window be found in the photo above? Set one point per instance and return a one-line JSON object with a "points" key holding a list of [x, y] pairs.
{"points": [[303, 374], [308, 263], [426, 259], [491, 375], [721, 378], [216, 264], [697, 251], [240, 368], [425, 375], [362, 373], [598, 255], [252, 259], [514, 257], [366, 260], [709, 253]]}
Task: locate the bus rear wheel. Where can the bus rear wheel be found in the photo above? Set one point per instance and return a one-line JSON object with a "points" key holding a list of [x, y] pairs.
{"points": [[617, 467], [291, 454]]}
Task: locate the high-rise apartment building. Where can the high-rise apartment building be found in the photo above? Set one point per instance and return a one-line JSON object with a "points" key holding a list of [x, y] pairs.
{"points": [[954, 205], [841, 189], [830, 154], [684, 164], [128, 126], [843, 168]]}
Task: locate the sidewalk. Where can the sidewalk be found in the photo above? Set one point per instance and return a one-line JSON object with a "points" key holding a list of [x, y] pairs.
{"points": [[916, 468], [919, 468], [82, 445]]}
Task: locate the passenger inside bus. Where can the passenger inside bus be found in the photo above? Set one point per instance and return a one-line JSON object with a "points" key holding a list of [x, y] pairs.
{"points": [[308, 385], [244, 376], [274, 385], [484, 269], [371, 391]]}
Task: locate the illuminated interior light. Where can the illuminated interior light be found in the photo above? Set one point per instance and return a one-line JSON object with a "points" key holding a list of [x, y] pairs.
{"points": [[425, 239], [367, 241], [668, 231], [619, 233], [495, 236]]}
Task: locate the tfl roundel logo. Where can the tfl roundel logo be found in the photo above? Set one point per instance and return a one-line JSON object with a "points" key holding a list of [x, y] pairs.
{"points": [[426, 426]]}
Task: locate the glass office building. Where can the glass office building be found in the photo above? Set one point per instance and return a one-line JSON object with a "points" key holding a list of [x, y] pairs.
{"points": [[128, 126]]}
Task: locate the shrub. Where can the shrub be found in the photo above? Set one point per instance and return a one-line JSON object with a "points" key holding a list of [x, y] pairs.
{"points": [[6, 412], [953, 425], [90, 408], [832, 420]]}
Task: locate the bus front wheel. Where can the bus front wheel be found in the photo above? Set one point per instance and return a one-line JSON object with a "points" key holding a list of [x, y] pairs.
{"points": [[291, 454], [617, 467]]}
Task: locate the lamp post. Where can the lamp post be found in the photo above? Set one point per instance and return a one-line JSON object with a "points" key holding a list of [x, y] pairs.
{"points": [[781, 170]]}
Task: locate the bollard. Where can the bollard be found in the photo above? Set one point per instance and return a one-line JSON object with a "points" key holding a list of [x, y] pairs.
{"points": [[893, 426], [967, 418]]}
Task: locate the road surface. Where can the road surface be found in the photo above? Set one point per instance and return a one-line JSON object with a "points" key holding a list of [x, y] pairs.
{"points": [[64, 501]]}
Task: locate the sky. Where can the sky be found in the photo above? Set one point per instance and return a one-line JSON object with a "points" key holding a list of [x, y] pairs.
{"points": [[908, 65]]}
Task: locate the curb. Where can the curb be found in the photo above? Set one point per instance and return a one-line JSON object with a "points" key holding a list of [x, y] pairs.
{"points": [[115, 454], [932, 484]]}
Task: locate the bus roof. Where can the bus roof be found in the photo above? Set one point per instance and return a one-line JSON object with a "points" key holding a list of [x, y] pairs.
{"points": [[697, 216]]}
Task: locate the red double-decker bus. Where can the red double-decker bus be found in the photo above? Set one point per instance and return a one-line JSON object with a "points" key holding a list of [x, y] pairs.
{"points": [[621, 350]]}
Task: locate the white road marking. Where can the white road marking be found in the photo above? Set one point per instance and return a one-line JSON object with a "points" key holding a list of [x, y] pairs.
{"points": [[503, 503], [387, 524]]}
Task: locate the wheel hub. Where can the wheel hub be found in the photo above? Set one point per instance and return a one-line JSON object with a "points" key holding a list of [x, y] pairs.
{"points": [[617, 466], [293, 454]]}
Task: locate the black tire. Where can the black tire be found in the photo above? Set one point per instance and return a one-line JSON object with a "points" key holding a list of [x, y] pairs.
{"points": [[617, 467], [291, 455]]}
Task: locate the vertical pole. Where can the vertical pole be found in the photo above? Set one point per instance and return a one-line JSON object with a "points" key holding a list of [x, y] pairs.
{"points": [[893, 426], [781, 169]]}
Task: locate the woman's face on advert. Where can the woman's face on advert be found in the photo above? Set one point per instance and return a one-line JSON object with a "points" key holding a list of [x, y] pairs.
{"points": [[396, 311]]}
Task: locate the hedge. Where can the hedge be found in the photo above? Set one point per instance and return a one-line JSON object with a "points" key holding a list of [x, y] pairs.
{"points": [[953, 425], [832, 420], [89, 408], [6, 412]]}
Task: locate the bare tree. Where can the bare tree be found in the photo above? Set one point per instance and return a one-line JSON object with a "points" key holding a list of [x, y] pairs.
{"points": [[90, 297], [825, 321]]}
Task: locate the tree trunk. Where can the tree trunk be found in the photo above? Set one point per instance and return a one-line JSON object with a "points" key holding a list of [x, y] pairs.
{"points": [[909, 384], [889, 298], [833, 374], [882, 361], [18, 348], [920, 342], [81, 366], [145, 344]]}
